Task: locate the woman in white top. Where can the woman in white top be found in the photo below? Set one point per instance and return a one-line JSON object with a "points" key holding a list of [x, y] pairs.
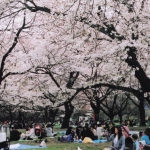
{"points": [[49, 131], [30, 135], [94, 132], [99, 131]]}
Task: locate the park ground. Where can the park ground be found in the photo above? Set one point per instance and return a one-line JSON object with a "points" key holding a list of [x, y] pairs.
{"points": [[53, 144]]}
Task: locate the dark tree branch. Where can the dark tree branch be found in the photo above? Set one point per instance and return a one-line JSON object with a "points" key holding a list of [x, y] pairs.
{"points": [[139, 72], [107, 29], [48, 71], [15, 73], [9, 51], [35, 8], [72, 78]]}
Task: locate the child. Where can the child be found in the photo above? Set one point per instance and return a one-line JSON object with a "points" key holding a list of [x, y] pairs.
{"points": [[135, 142]]}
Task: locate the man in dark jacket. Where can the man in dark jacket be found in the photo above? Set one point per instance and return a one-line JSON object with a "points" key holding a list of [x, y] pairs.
{"points": [[86, 132], [14, 134]]}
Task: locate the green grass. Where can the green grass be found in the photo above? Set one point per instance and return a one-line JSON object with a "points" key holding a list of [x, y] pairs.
{"points": [[54, 145], [57, 126]]}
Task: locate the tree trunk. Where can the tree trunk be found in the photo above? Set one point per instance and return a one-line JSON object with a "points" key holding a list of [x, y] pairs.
{"points": [[52, 114], [45, 114], [142, 113], [96, 110], [69, 108], [97, 117], [20, 116], [120, 118], [141, 98], [11, 116], [111, 117]]}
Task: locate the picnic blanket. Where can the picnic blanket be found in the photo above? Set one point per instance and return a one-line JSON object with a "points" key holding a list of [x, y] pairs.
{"points": [[22, 146], [99, 141], [94, 141], [26, 140], [134, 132], [61, 132]]}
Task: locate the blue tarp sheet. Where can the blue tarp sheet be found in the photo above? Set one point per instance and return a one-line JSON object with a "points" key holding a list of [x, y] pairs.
{"points": [[61, 132], [134, 132], [99, 141], [22, 146]]}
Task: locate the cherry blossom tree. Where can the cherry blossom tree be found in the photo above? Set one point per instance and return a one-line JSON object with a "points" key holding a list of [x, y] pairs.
{"points": [[111, 37], [118, 33]]}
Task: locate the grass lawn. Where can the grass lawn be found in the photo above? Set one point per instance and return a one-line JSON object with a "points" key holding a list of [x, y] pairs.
{"points": [[66, 146]]}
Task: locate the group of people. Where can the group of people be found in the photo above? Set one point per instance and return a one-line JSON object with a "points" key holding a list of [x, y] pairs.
{"points": [[119, 136], [15, 135], [123, 140], [93, 131], [32, 132]]}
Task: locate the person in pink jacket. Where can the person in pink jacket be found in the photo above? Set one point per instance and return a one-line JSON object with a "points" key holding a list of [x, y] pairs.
{"points": [[125, 131]]}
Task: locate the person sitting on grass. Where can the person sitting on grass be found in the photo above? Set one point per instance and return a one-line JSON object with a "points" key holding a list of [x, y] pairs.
{"points": [[68, 137], [93, 129], [128, 139], [49, 130], [30, 134], [118, 139], [78, 132], [146, 136], [14, 134], [99, 130], [86, 132], [135, 142]]}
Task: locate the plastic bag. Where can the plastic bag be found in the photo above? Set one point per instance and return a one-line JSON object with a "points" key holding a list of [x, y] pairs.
{"points": [[43, 144]]}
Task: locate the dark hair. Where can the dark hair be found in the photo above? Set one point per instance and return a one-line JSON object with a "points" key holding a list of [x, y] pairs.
{"points": [[119, 132], [30, 126], [147, 132], [135, 136], [49, 125], [112, 123], [87, 125], [79, 127], [69, 130], [13, 126]]}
